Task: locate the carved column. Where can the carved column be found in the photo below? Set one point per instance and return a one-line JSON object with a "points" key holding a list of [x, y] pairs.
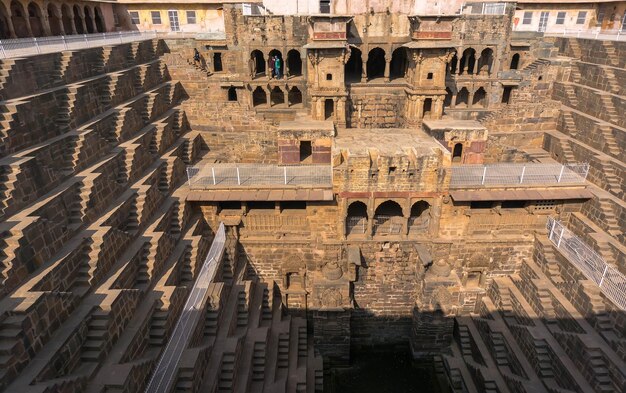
{"points": [[420, 107], [387, 68], [72, 21], [438, 112], [470, 99], [453, 101], [341, 112], [364, 70], [9, 20], [476, 70], [370, 219]]}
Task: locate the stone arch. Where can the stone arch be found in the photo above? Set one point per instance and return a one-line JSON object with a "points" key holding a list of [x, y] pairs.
{"points": [[89, 20], [99, 20], [5, 31], [480, 98], [462, 98], [356, 218], [399, 59], [515, 61], [486, 61], [54, 20], [278, 54], [78, 20], [376, 63], [277, 96], [388, 218], [353, 70], [18, 18], [258, 62], [294, 63], [35, 18], [457, 152], [259, 97], [66, 19], [419, 218], [468, 61], [294, 96]]}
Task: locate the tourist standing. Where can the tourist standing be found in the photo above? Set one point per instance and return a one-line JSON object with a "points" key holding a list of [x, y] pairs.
{"points": [[271, 64], [277, 67]]}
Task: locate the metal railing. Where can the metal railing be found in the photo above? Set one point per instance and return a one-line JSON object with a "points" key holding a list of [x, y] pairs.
{"points": [[611, 282], [20, 47], [388, 225], [517, 174], [251, 175], [596, 34], [356, 225], [166, 370]]}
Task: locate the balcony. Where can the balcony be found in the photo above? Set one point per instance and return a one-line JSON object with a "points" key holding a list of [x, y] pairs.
{"points": [[226, 176]]}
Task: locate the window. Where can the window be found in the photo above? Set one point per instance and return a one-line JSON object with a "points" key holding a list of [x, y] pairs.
{"points": [[392, 170], [429, 76], [134, 17], [116, 19], [306, 150], [329, 77], [191, 17], [582, 15], [560, 18], [156, 17], [513, 204], [217, 62], [528, 18], [292, 205], [232, 94], [324, 6], [481, 205], [600, 18]]}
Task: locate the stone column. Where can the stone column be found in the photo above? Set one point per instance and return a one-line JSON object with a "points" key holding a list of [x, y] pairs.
{"points": [[341, 112], [364, 70], [420, 107], [268, 71], [406, 214], [370, 220], [72, 21], [10, 24], [45, 24], [476, 70], [470, 98], [438, 110], [387, 67], [453, 101], [464, 61], [28, 27]]}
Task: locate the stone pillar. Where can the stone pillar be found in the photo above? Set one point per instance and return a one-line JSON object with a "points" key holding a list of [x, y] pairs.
{"points": [[341, 112], [370, 220], [72, 22], [464, 61], [27, 21], [387, 68], [335, 105], [268, 70], [45, 24], [470, 98], [453, 101], [9, 20], [406, 213], [476, 70], [364, 70], [420, 107]]}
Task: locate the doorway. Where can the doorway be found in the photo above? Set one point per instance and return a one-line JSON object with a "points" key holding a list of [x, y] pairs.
{"points": [[329, 109]]}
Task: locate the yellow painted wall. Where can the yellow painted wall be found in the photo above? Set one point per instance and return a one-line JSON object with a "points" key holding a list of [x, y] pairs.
{"points": [[208, 17]]}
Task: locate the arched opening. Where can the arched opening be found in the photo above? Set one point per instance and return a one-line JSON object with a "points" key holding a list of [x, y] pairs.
{"points": [[447, 101], [354, 67], [277, 96], [294, 63], [4, 23], [457, 153], [467, 61], [388, 219], [427, 109], [397, 68], [53, 20], [420, 217], [356, 220], [480, 98], [485, 62], [259, 97], [276, 63], [515, 61], [257, 63], [78, 22], [376, 64], [18, 17], [506, 94], [99, 20], [232, 94], [453, 65], [294, 97], [329, 109], [34, 17], [66, 19], [462, 98], [88, 20]]}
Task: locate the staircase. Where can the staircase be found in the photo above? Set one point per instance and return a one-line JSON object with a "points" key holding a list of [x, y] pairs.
{"points": [[93, 347]]}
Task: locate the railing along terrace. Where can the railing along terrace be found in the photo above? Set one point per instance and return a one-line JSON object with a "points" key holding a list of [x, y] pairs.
{"points": [[166, 369], [252, 175], [612, 283], [356, 225], [596, 34], [390, 225], [517, 174], [19, 47]]}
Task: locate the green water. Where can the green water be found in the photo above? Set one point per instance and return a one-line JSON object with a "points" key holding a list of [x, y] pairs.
{"points": [[388, 372]]}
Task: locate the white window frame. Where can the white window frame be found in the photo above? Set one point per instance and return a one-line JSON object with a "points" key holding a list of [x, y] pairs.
{"points": [[188, 17], [582, 14], [529, 20], [134, 17], [560, 17], [174, 24], [152, 15]]}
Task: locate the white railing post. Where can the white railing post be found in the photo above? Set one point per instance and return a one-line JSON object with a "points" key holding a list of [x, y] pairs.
{"points": [[285, 172], [213, 173], [561, 174], [552, 225], [120, 36], [238, 178], [85, 38], [36, 45], [4, 55], [521, 178], [64, 42], [484, 175], [606, 267], [558, 244]]}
